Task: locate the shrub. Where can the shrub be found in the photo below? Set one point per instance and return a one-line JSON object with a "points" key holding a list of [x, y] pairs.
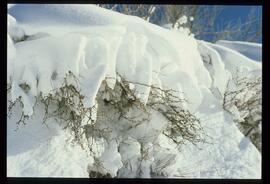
{"points": [[244, 101], [66, 105]]}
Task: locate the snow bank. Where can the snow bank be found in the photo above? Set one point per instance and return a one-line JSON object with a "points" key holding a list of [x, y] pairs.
{"points": [[42, 150], [232, 155], [229, 56], [15, 31], [215, 65], [140, 43], [223, 62], [55, 14], [53, 158], [251, 50], [95, 44]]}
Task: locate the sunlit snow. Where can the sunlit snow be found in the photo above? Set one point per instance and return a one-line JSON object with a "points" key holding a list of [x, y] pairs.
{"points": [[95, 44]]}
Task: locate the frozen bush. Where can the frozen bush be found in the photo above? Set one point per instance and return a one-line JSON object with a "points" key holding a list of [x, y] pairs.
{"points": [[243, 98], [89, 126]]}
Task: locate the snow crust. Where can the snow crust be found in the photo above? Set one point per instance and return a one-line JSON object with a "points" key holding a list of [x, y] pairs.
{"points": [[95, 44]]}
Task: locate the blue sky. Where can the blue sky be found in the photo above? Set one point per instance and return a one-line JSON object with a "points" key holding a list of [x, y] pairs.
{"points": [[235, 12], [232, 14]]}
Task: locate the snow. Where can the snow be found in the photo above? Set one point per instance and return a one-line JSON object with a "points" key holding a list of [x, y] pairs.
{"points": [[47, 159], [228, 56], [182, 20], [215, 65], [40, 150], [10, 5], [250, 50], [95, 44], [231, 147], [65, 14], [15, 32]]}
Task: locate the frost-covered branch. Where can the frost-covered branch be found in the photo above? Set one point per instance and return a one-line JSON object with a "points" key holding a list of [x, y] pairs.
{"points": [[89, 125]]}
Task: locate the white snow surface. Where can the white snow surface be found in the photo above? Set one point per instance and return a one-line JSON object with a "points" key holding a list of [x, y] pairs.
{"points": [[95, 44], [39, 150], [251, 50]]}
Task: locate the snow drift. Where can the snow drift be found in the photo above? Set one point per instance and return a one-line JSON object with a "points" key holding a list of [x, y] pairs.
{"points": [[97, 44], [251, 50]]}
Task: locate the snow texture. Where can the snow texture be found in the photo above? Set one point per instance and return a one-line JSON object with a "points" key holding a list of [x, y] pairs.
{"points": [[251, 50], [95, 44]]}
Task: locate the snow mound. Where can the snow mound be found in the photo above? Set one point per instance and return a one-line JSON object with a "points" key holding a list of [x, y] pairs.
{"points": [[134, 41], [235, 62], [63, 14], [97, 44], [225, 136], [251, 50]]}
